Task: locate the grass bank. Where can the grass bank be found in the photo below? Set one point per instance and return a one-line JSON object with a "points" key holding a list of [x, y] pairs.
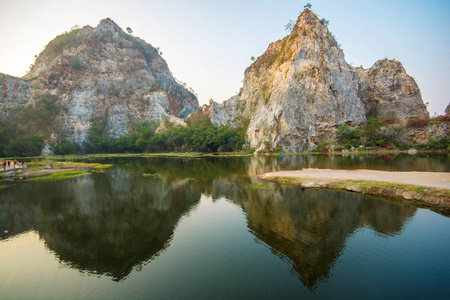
{"points": [[436, 199], [41, 170]]}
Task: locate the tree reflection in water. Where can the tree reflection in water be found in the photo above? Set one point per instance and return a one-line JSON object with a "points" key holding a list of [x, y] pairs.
{"points": [[102, 224], [115, 222]]}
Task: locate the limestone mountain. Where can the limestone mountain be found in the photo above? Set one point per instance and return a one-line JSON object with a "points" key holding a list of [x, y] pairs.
{"points": [[100, 73], [386, 89], [301, 89]]}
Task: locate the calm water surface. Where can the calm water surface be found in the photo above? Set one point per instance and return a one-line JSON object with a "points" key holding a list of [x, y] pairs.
{"points": [[205, 228]]}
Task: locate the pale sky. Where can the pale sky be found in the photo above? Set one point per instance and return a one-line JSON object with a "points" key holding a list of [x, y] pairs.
{"points": [[208, 43]]}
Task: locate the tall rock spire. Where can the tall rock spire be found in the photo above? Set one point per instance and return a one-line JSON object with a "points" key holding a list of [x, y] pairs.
{"points": [[299, 89]]}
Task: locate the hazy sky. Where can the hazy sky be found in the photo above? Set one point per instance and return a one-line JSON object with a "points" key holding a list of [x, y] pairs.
{"points": [[208, 43]]}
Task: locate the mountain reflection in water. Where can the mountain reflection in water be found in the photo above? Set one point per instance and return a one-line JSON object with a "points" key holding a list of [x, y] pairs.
{"points": [[310, 227], [112, 223]]}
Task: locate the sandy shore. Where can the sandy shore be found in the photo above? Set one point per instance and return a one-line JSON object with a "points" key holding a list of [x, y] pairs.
{"points": [[429, 179], [427, 189]]}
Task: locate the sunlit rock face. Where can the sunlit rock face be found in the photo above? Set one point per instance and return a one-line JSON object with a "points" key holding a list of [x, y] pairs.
{"points": [[387, 90], [105, 74], [301, 89], [297, 91]]}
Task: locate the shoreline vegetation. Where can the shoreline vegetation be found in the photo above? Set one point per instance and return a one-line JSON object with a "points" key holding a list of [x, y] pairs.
{"points": [[434, 198], [49, 170]]}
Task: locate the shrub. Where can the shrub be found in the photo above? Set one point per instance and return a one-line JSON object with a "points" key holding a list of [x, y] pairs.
{"points": [[444, 118], [57, 45], [265, 93], [417, 122], [25, 146], [349, 136], [322, 147]]}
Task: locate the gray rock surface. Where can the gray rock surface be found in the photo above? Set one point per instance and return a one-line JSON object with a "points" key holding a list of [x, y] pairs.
{"points": [[297, 92], [172, 120], [14, 92], [387, 90], [301, 89], [102, 74]]}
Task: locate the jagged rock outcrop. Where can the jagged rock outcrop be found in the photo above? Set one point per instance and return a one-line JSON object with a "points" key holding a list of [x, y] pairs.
{"points": [[105, 74], [447, 110], [299, 90], [386, 89]]}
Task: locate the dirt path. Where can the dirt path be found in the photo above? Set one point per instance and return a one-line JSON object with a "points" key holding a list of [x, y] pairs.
{"points": [[429, 179]]}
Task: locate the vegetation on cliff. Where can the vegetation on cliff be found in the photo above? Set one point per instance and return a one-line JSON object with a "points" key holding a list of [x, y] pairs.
{"points": [[198, 136], [24, 131], [388, 133]]}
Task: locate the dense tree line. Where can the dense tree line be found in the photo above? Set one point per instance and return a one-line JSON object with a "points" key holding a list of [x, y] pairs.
{"points": [[23, 132], [198, 136], [26, 129]]}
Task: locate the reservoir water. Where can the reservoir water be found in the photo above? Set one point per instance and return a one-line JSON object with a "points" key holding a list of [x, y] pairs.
{"points": [[207, 228]]}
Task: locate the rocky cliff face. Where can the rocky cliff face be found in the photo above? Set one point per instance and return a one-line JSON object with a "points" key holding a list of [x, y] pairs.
{"points": [[301, 89], [14, 92], [297, 91], [386, 89], [104, 73]]}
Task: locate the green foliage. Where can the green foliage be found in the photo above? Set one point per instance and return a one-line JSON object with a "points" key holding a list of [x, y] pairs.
{"points": [[324, 22], [23, 132], [57, 45], [75, 63], [435, 144], [65, 147], [290, 25], [24, 146], [265, 93], [199, 135], [375, 134], [322, 147], [349, 136], [372, 113]]}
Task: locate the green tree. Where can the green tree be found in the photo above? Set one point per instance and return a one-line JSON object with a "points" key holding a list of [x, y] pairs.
{"points": [[290, 25]]}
